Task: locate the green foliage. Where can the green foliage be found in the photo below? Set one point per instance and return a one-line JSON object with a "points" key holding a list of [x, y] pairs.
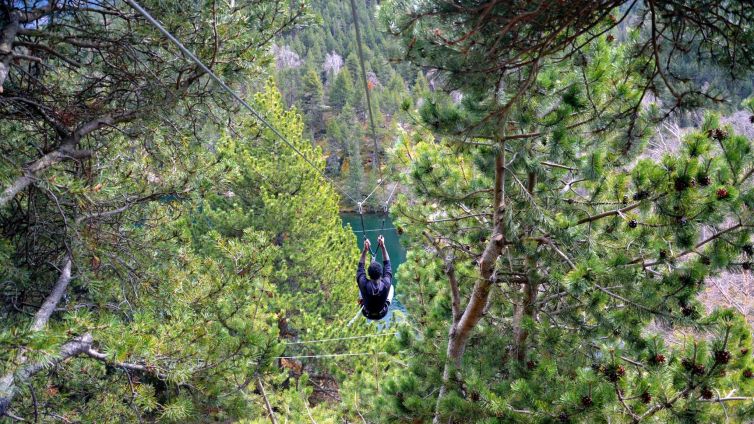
{"points": [[313, 100], [604, 245], [342, 90], [342, 114], [194, 299]]}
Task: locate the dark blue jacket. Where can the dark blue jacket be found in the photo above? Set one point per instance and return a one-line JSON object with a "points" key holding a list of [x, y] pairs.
{"points": [[374, 293]]}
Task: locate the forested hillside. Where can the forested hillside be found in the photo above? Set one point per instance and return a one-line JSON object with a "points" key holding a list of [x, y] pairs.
{"points": [[575, 201], [320, 73]]}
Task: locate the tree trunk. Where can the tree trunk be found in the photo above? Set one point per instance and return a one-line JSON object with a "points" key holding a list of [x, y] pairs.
{"points": [[7, 36], [524, 310], [461, 329]]}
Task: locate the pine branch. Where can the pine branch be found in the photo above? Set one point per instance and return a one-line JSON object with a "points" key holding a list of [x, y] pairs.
{"points": [[686, 252], [609, 213], [9, 382]]}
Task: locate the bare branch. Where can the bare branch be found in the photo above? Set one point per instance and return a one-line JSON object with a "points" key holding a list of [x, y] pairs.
{"points": [[49, 305]]}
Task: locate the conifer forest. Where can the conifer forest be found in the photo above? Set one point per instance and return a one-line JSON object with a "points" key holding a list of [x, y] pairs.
{"points": [[377, 211]]}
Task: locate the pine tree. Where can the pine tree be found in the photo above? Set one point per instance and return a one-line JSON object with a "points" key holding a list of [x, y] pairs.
{"points": [[312, 100], [357, 97], [342, 89], [394, 94], [543, 243]]}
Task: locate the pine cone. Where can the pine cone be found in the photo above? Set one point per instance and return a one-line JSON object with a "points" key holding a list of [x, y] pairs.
{"points": [[586, 401], [658, 359], [633, 223], [748, 249], [748, 373], [641, 195], [718, 134], [620, 371], [722, 193], [614, 372], [722, 356], [698, 369], [646, 397], [706, 393], [705, 181]]}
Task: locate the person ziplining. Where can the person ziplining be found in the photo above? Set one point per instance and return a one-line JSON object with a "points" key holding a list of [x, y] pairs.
{"points": [[375, 292]]}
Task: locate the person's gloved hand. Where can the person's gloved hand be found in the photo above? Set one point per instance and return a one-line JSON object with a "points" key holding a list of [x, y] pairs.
{"points": [[381, 241], [367, 244]]}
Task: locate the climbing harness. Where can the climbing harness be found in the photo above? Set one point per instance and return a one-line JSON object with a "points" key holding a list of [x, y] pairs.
{"points": [[376, 316]]}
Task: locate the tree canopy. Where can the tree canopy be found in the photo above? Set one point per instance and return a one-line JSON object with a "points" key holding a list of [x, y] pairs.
{"points": [[159, 249], [165, 257], [546, 239]]}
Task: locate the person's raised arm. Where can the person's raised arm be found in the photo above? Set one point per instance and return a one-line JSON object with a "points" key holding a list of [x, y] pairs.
{"points": [[361, 274], [387, 271], [364, 251]]}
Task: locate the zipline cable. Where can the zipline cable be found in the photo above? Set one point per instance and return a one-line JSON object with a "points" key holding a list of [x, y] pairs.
{"points": [[375, 230], [343, 338], [136, 6], [375, 153], [386, 206], [387, 202], [379, 183], [363, 231]]}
